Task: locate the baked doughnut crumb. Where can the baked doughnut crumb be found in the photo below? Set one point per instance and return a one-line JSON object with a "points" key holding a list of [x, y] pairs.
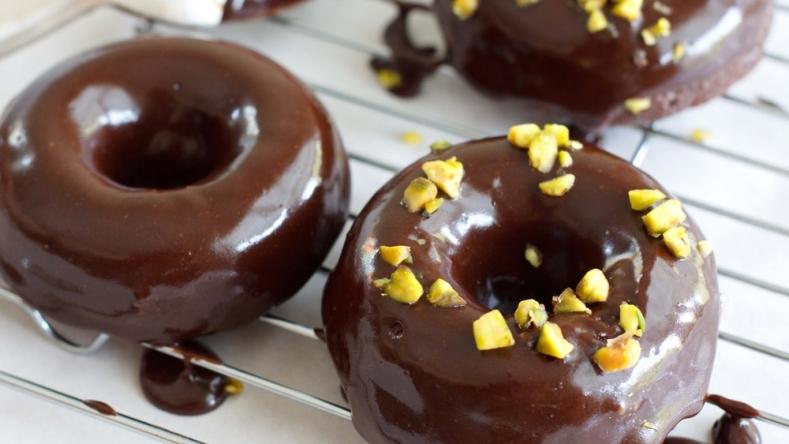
{"points": [[491, 332], [552, 342], [530, 312]]}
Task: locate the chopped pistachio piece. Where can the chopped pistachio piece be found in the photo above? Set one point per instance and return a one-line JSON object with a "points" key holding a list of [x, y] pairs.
{"points": [[637, 105], [651, 34], [543, 150], [565, 159], [560, 132], [464, 9], [418, 193], [442, 294], [381, 283], [631, 319], [678, 51], [403, 286], [395, 255], [433, 205], [552, 342], [662, 8], [533, 256], [491, 331], [705, 248], [676, 239], [593, 287], [699, 135], [628, 9], [234, 387], [664, 216], [591, 5], [440, 145], [568, 302], [559, 186], [388, 78], [523, 3], [576, 145], [597, 21], [530, 312], [522, 135], [621, 353], [446, 174], [412, 137], [640, 200]]}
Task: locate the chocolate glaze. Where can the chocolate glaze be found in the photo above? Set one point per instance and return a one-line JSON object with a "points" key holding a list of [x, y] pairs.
{"points": [[166, 188], [101, 407], [545, 54], [178, 386], [246, 9], [413, 374], [734, 427]]}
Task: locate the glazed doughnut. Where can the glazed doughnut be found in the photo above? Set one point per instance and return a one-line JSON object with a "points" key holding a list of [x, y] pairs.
{"points": [[244, 9], [588, 65], [166, 188], [489, 293]]}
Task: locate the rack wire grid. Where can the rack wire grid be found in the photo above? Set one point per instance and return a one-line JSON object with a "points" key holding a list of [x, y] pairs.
{"points": [[735, 184]]}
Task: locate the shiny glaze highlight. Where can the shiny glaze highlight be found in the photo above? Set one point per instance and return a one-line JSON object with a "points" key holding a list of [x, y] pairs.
{"points": [[413, 374], [246, 9], [166, 188]]}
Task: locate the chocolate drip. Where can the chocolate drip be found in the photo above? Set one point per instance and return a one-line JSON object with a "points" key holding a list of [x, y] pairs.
{"points": [[412, 62], [734, 427], [178, 386], [101, 407]]}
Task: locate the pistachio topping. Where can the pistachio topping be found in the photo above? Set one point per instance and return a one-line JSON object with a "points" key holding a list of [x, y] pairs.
{"points": [[678, 51], [395, 255], [662, 8], [530, 312], [631, 319], [596, 21], [593, 287], [388, 78], [699, 135], [637, 105], [705, 248], [621, 353], [418, 193], [662, 28], [628, 9], [640, 200], [543, 150], [565, 159], [403, 286], [575, 145], [432, 206], [446, 174], [523, 3], [491, 332], [412, 137], [552, 342], [677, 241], [533, 256], [560, 132], [464, 9], [568, 302], [440, 145], [234, 387], [381, 283], [559, 186], [442, 294], [666, 215], [522, 135]]}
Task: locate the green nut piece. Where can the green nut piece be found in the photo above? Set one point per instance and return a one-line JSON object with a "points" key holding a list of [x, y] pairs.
{"points": [[442, 294], [446, 174], [543, 150], [552, 342], [559, 186], [433, 205], [533, 256], [395, 255], [677, 241], [403, 286], [565, 159], [530, 312], [593, 287], [418, 193], [491, 332], [560, 132], [631, 319], [640, 200], [705, 248], [522, 135], [620, 354], [440, 145], [666, 215], [568, 302]]}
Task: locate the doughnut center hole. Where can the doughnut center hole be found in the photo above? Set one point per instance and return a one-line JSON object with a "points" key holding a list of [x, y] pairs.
{"points": [[166, 144], [498, 276]]}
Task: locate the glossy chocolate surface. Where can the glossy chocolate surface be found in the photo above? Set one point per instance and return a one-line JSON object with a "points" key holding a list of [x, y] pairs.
{"points": [[413, 374], [163, 189], [545, 54], [245, 9], [101, 407], [180, 387]]}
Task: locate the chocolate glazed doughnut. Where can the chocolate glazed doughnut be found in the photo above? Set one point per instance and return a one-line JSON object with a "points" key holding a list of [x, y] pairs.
{"points": [[166, 188], [412, 373], [546, 53]]}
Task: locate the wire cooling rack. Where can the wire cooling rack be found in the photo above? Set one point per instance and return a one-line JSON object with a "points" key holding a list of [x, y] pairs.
{"points": [[735, 184]]}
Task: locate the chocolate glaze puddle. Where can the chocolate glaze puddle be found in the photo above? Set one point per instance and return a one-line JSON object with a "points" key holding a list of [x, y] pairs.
{"points": [[734, 427], [178, 386], [101, 407]]}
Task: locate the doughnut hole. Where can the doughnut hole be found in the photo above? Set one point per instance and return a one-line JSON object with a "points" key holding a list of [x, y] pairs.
{"points": [[496, 274], [168, 143]]}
